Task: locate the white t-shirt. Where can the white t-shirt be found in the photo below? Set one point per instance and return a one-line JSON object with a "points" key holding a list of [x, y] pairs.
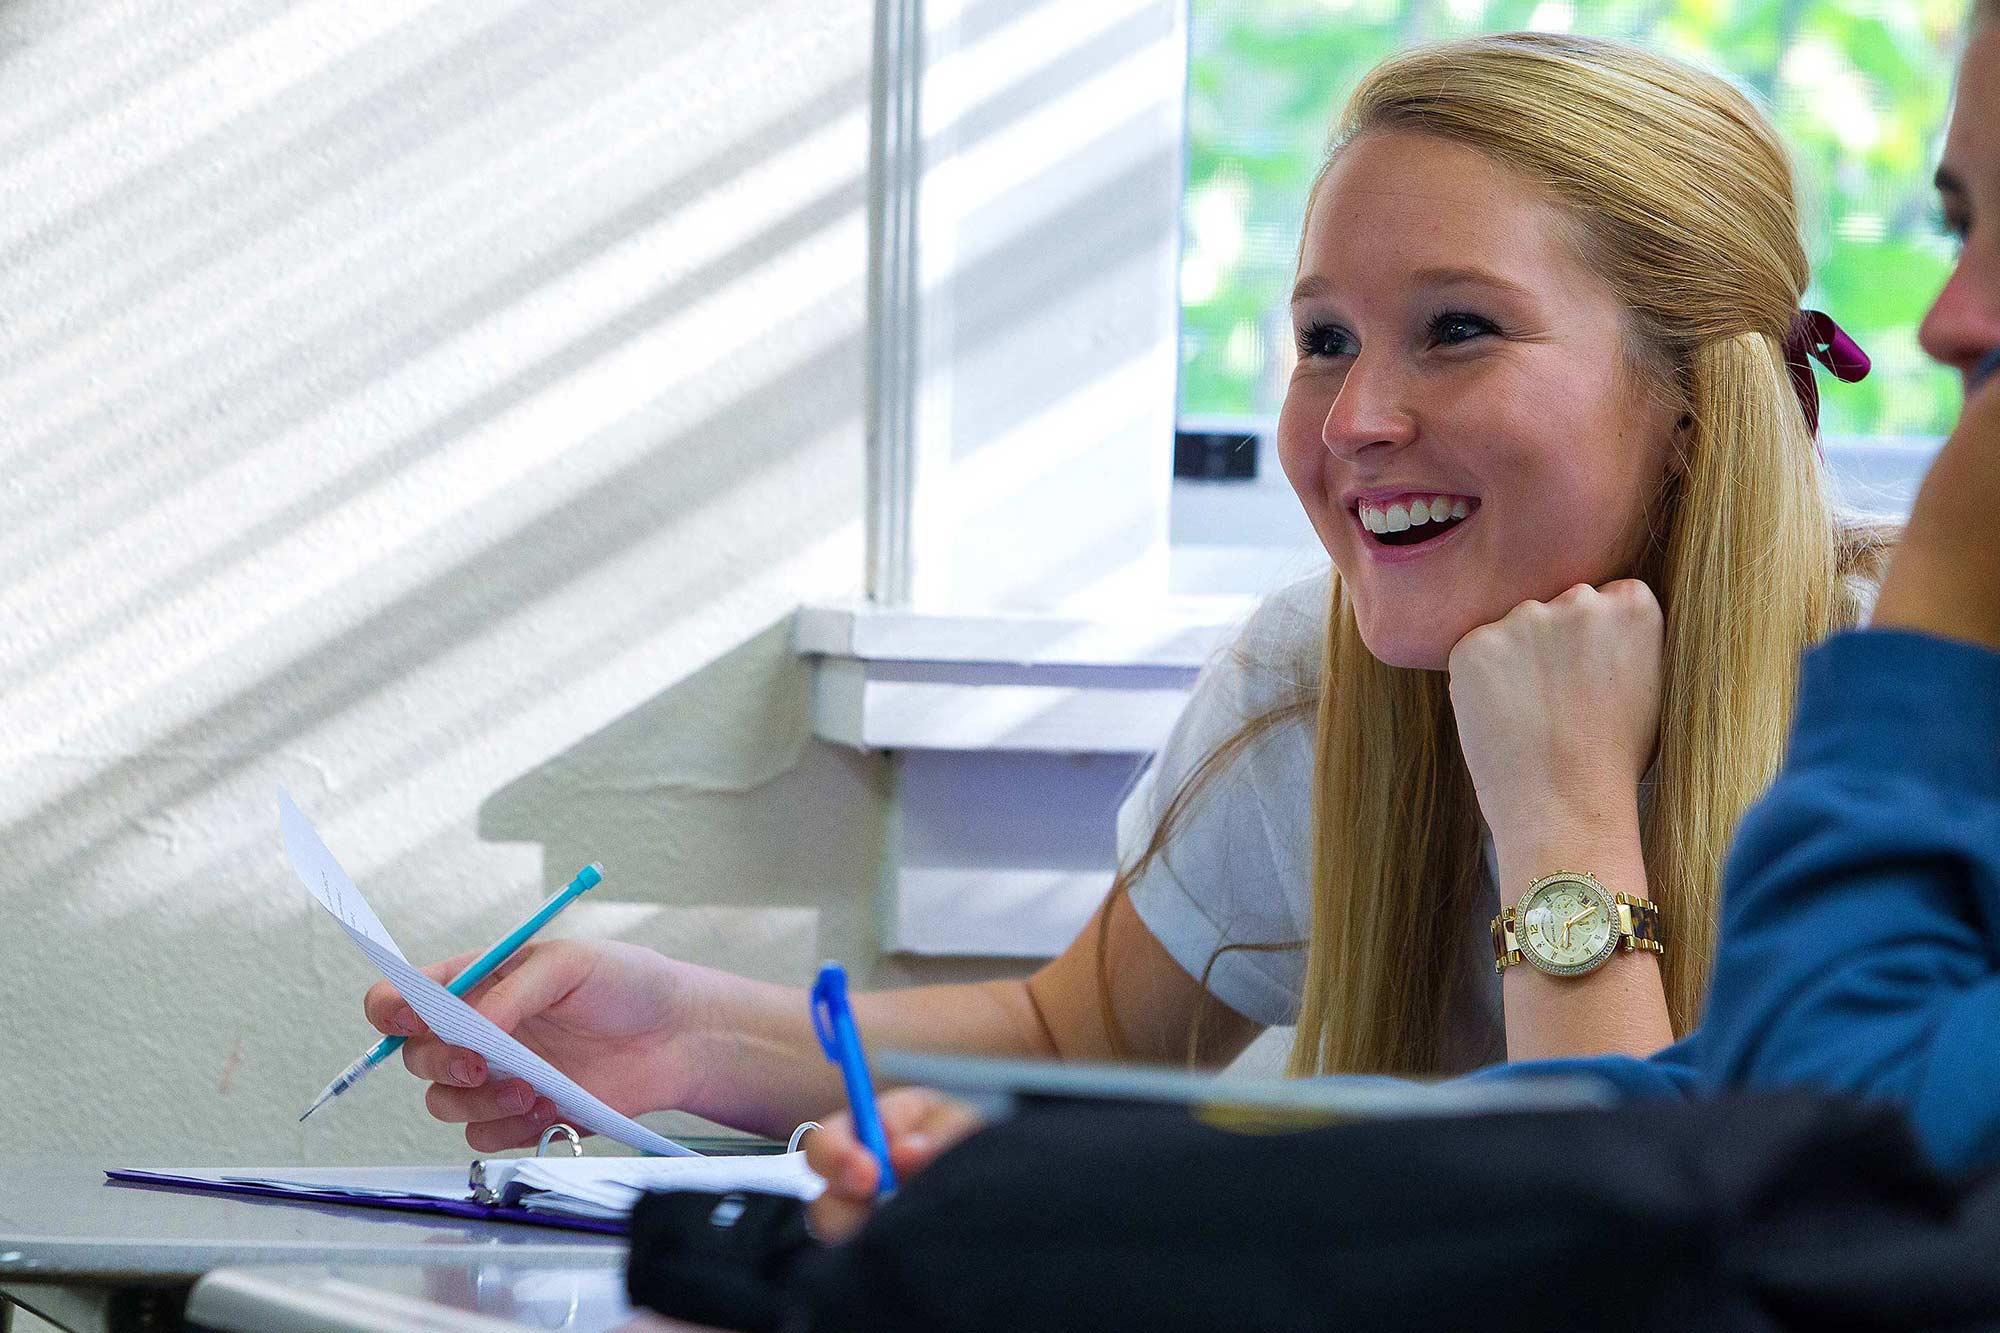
{"points": [[1238, 868]]}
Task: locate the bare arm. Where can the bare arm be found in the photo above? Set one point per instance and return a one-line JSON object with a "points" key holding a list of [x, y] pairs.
{"points": [[1058, 1013], [1557, 707], [1159, 1007], [648, 1033]]}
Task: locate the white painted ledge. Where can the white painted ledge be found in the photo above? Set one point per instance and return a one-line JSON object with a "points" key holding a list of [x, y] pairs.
{"points": [[1175, 632], [1013, 739], [902, 680]]}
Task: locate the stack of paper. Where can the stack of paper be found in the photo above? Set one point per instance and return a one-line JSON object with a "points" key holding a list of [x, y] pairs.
{"points": [[608, 1187]]}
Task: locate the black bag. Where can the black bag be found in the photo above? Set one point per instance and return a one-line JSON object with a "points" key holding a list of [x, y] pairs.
{"points": [[1754, 1212], [719, 1259]]}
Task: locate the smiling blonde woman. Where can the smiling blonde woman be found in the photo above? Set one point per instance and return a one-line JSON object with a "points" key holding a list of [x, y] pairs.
{"points": [[1555, 283], [1545, 423]]}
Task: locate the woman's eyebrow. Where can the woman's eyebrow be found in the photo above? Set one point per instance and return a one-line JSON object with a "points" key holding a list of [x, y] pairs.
{"points": [[1313, 286], [1456, 274], [1947, 182], [1310, 287]]}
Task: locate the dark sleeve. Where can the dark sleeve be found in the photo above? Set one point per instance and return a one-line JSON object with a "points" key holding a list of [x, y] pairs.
{"points": [[1672, 1074], [1861, 907]]}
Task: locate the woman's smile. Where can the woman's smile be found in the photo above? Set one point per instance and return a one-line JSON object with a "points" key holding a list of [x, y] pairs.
{"points": [[1404, 525]]}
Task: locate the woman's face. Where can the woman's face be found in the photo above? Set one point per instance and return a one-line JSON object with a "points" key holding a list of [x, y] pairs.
{"points": [[1464, 427], [1964, 324]]}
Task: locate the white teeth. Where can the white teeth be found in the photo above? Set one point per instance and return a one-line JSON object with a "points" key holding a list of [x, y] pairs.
{"points": [[1406, 514]]}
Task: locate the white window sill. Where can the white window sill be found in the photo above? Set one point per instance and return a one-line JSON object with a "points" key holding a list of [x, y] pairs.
{"points": [[1014, 739], [917, 680]]}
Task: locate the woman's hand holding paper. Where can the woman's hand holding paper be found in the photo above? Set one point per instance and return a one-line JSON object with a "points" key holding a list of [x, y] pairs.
{"points": [[612, 1016]]}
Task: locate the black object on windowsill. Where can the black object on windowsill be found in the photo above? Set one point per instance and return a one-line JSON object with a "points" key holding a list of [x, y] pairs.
{"points": [[1215, 455]]}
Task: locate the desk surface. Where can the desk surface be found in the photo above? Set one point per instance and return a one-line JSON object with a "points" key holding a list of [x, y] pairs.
{"points": [[68, 1224], [393, 1298]]}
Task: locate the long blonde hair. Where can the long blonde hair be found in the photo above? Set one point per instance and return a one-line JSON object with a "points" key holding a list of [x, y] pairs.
{"points": [[1681, 197]]}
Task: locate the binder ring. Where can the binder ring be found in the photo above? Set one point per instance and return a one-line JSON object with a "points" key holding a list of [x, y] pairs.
{"points": [[799, 1135], [575, 1141]]}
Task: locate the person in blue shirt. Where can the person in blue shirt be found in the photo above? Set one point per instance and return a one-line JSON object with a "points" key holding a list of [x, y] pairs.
{"points": [[1860, 929], [1861, 913], [1861, 906]]}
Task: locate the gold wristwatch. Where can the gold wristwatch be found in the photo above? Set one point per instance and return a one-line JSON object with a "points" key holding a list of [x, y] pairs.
{"points": [[1568, 924]]}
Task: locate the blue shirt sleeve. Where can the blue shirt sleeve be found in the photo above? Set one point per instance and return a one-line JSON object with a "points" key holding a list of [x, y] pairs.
{"points": [[1861, 912], [1673, 1072]]}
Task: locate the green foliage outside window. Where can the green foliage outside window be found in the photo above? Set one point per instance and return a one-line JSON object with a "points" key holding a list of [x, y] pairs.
{"points": [[1859, 88]]}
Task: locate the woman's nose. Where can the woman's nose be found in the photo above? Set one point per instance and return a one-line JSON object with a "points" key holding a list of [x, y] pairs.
{"points": [[1963, 325], [1368, 414]]}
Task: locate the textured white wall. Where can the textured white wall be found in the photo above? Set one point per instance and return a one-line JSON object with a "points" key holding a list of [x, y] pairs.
{"points": [[436, 408]]}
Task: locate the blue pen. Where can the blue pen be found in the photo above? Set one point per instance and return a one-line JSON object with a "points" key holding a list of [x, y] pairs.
{"points": [[586, 878], [834, 1022]]}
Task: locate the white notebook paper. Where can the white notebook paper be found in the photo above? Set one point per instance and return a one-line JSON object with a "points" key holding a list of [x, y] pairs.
{"points": [[607, 1187], [448, 1016]]}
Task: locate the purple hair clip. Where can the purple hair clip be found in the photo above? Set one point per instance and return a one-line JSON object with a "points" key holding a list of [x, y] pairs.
{"points": [[1815, 337]]}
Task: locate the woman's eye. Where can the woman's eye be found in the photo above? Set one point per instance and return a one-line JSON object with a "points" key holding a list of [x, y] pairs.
{"points": [[1953, 223], [1323, 340], [1452, 328]]}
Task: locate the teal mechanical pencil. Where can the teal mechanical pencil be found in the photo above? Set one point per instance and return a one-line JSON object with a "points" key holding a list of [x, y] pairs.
{"points": [[586, 878]]}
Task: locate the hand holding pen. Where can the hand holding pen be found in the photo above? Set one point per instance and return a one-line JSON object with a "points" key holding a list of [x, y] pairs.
{"points": [[623, 1020], [918, 1125], [480, 968], [859, 1151]]}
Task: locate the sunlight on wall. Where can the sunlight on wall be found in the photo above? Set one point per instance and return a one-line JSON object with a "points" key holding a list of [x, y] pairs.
{"points": [[437, 409]]}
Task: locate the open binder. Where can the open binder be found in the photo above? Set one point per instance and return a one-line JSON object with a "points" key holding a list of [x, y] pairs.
{"points": [[574, 1192]]}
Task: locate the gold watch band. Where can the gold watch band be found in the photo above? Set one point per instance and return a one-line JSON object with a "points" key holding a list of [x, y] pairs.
{"points": [[1638, 924], [1506, 949]]}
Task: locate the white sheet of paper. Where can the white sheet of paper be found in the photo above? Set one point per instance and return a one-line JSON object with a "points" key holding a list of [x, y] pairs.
{"points": [[609, 1187], [451, 1018], [314, 864]]}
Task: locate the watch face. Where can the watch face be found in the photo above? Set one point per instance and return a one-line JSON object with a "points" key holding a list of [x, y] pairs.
{"points": [[1567, 925]]}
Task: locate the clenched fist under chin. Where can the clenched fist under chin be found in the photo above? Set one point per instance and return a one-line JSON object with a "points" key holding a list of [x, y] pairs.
{"points": [[1558, 706]]}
